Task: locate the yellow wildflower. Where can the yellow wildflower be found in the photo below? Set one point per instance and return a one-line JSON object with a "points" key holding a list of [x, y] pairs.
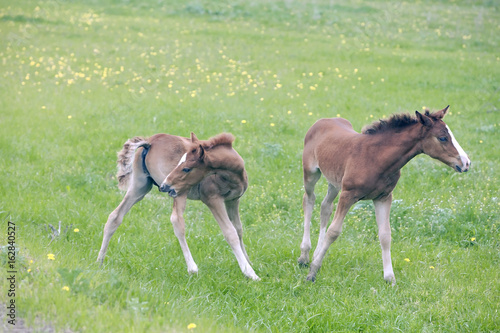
{"points": [[76, 230], [191, 326], [65, 288], [407, 259], [51, 256]]}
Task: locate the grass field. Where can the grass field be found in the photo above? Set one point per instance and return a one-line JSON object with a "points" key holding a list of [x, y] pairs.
{"points": [[78, 78]]}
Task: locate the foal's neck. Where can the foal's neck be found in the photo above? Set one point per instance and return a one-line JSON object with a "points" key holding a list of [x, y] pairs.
{"points": [[398, 148], [227, 159]]}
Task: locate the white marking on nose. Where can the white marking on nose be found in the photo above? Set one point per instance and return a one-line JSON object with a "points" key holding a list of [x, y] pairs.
{"points": [[463, 156], [183, 159]]}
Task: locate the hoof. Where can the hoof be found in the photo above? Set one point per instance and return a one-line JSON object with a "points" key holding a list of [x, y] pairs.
{"points": [[254, 278], [100, 261], [311, 278], [250, 274], [303, 262], [390, 279], [193, 270]]}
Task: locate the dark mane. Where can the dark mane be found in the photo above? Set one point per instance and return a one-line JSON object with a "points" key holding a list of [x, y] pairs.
{"points": [[396, 121], [220, 139]]}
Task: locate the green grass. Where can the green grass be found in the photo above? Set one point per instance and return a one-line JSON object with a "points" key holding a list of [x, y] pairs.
{"points": [[78, 78]]}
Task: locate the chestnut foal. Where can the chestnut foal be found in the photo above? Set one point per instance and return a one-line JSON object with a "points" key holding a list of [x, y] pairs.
{"points": [[367, 167], [210, 171]]}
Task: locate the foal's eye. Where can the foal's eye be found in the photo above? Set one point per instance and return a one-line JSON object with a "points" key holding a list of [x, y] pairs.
{"points": [[443, 139], [186, 170]]}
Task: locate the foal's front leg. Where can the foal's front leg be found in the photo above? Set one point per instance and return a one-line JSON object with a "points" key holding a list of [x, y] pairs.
{"points": [[217, 206], [177, 220], [382, 214], [232, 208]]}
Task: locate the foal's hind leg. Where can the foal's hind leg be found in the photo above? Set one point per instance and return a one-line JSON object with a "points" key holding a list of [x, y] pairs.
{"points": [[382, 213], [177, 220], [310, 180], [232, 208], [326, 213], [345, 202], [139, 187]]}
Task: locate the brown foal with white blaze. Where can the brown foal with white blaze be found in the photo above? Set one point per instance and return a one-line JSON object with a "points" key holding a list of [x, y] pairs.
{"points": [[367, 166], [210, 171]]}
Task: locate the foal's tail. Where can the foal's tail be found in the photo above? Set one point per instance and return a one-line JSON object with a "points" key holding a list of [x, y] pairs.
{"points": [[126, 160]]}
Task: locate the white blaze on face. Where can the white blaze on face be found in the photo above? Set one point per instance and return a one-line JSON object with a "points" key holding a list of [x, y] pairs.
{"points": [[183, 159], [463, 156]]}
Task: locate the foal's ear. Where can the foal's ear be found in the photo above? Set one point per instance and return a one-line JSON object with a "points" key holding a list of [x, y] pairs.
{"points": [[441, 113], [194, 139], [423, 119], [201, 150]]}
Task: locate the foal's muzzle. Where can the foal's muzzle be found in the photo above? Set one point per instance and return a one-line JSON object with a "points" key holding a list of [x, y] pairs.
{"points": [[465, 165], [166, 188]]}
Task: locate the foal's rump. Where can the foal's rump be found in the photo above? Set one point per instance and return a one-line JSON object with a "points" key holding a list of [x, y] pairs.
{"points": [[329, 138]]}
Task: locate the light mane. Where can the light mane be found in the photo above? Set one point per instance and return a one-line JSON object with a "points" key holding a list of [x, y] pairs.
{"points": [[394, 122]]}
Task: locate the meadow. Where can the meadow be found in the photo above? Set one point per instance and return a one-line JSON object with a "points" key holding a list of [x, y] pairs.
{"points": [[78, 78]]}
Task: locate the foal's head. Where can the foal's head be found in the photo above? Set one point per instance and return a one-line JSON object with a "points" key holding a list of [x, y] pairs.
{"points": [[439, 143], [194, 165]]}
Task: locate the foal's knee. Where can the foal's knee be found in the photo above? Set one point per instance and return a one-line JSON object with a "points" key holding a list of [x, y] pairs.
{"points": [[333, 234], [309, 197], [385, 239], [179, 229], [326, 207], [231, 237]]}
